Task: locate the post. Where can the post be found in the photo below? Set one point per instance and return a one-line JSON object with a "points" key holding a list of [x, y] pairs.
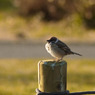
{"points": [[52, 76]]}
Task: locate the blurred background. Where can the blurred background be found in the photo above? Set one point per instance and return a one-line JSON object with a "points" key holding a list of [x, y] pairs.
{"points": [[25, 25]]}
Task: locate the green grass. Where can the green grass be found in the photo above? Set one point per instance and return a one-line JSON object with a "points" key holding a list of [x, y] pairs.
{"points": [[81, 75], [19, 77]]}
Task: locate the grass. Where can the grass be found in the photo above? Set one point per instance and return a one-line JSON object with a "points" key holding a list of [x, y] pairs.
{"points": [[33, 28], [81, 75], [19, 77], [16, 27]]}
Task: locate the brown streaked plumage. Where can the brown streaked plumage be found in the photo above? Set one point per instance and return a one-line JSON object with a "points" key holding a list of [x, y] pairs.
{"points": [[58, 49]]}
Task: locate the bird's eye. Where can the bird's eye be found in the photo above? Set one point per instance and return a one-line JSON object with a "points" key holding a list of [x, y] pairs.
{"points": [[52, 42]]}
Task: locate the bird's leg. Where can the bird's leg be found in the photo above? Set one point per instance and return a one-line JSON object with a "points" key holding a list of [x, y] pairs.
{"points": [[55, 59], [58, 60]]}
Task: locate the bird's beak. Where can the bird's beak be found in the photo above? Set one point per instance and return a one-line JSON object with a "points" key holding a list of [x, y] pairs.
{"points": [[48, 41]]}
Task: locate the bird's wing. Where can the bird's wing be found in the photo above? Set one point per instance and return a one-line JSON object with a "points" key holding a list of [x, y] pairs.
{"points": [[64, 47]]}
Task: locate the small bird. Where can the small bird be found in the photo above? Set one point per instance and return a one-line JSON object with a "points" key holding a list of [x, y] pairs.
{"points": [[58, 49]]}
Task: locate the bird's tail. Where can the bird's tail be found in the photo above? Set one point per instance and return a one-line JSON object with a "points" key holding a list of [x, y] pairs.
{"points": [[76, 53]]}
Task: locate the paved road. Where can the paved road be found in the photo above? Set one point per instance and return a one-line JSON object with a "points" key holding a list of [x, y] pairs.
{"points": [[29, 50]]}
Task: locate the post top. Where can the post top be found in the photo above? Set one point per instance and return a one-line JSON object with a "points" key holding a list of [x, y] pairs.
{"points": [[52, 62]]}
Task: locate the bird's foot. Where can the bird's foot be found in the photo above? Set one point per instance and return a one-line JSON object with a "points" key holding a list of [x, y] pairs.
{"points": [[57, 60]]}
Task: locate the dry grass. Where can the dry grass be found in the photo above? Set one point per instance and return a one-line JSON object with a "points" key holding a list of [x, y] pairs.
{"points": [[16, 28]]}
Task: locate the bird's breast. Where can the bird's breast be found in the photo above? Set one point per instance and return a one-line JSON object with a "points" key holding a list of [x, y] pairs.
{"points": [[54, 50]]}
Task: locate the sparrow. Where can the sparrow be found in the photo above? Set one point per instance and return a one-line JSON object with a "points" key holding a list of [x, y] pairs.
{"points": [[58, 49]]}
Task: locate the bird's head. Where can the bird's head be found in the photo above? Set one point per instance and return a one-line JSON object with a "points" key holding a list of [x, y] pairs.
{"points": [[52, 39]]}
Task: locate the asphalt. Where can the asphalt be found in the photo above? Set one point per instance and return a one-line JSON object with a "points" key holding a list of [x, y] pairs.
{"points": [[31, 50]]}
